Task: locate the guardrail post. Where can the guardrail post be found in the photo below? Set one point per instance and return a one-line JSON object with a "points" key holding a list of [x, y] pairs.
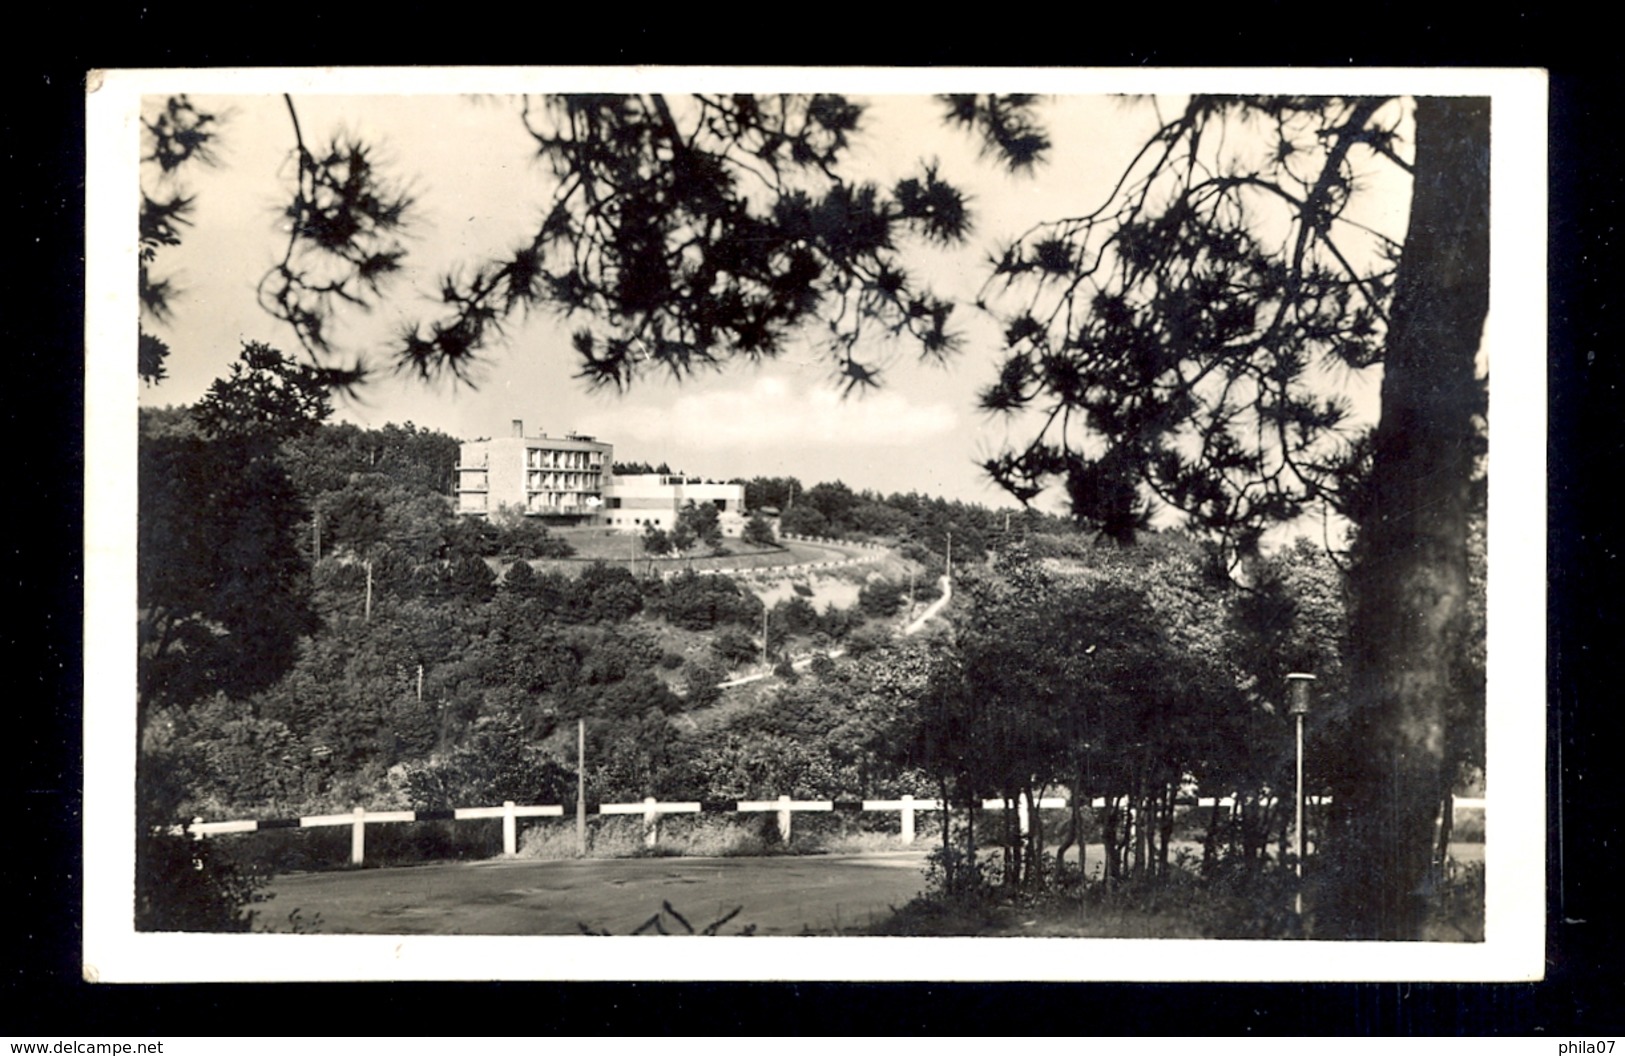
{"points": [[784, 818], [651, 822], [510, 830], [358, 836], [908, 819]]}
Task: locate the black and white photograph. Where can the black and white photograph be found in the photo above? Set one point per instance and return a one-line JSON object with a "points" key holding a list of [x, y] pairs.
{"points": [[907, 525]]}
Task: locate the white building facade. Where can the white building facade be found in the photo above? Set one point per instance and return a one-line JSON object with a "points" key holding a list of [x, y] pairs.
{"points": [[569, 480], [561, 478], [634, 502]]}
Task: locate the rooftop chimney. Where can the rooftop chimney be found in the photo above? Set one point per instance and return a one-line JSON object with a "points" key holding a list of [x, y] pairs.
{"points": [[518, 427]]}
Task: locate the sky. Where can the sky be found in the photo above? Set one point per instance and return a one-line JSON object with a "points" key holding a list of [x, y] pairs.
{"points": [[478, 190]]}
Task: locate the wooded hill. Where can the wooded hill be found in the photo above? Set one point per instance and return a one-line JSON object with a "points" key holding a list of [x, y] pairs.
{"points": [[319, 629]]}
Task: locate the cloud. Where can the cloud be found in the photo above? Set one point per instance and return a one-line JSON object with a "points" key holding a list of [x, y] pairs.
{"points": [[774, 412]]}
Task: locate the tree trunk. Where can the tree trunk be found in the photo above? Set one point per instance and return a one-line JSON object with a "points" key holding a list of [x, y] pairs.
{"points": [[1210, 842], [1142, 832], [1447, 824], [971, 872], [1035, 840], [1074, 832], [1012, 844], [1165, 829], [1409, 577], [1109, 840]]}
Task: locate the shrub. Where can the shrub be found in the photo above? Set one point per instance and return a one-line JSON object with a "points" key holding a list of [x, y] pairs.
{"points": [[527, 538], [880, 598], [837, 623], [183, 883], [804, 520], [635, 696], [866, 640], [520, 578], [497, 763], [758, 532], [606, 592], [795, 615], [700, 680], [699, 603], [733, 646], [187, 884]]}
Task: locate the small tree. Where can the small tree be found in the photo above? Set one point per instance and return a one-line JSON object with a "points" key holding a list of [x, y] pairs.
{"points": [[880, 598], [804, 520], [733, 646], [656, 541], [266, 394], [683, 539], [759, 532], [701, 680], [519, 579], [701, 520]]}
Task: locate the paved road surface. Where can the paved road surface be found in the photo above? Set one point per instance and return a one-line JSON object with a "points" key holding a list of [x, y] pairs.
{"points": [[781, 896]]}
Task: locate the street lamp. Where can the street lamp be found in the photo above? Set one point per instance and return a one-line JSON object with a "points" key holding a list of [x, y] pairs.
{"points": [[1297, 685]]}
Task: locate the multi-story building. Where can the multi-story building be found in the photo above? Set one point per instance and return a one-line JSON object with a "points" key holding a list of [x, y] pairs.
{"points": [[569, 480], [560, 478]]}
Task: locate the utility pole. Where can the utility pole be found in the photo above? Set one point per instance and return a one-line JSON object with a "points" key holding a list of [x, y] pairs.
{"points": [[764, 634], [949, 569], [581, 788]]}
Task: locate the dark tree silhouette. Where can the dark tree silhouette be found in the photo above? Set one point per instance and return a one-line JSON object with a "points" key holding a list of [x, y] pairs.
{"points": [[690, 231], [1177, 344], [222, 588], [265, 395], [174, 135], [345, 219]]}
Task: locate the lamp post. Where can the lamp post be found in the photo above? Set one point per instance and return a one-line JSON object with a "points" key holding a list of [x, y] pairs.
{"points": [[1297, 685]]}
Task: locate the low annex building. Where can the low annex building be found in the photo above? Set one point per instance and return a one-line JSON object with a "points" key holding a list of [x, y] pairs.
{"points": [[569, 480], [633, 502]]}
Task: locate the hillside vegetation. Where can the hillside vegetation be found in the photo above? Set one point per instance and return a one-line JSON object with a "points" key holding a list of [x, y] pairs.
{"points": [[445, 661]]}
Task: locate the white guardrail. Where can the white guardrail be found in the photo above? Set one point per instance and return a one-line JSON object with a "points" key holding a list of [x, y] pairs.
{"points": [[875, 551], [652, 810]]}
